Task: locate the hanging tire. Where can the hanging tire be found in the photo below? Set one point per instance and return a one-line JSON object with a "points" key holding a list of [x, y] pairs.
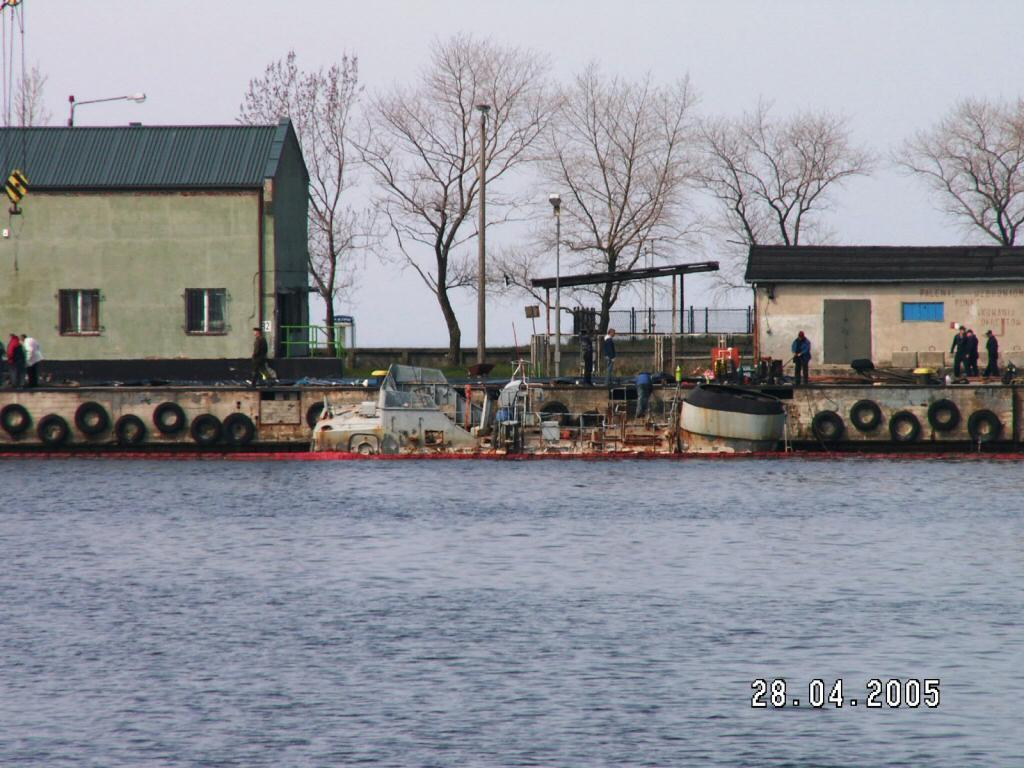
{"points": [[15, 419], [555, 411], [129, 430], [984, 426], [313, 413], [943, 415], [865, 415], [169, 418], [904, 427], [828, 426], [238, 429], [206, 429], [53, 430], [91, 418]]}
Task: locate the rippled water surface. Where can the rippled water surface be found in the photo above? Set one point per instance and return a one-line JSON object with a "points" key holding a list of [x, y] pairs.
{"points": [[496, 614]]}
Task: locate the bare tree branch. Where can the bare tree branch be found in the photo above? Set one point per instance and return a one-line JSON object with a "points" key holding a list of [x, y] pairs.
{"points": [[974, 160], [29, 101], [425, 148]]}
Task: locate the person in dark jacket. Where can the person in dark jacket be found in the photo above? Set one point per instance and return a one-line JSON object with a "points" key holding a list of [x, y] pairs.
{"points": [[644, 387], [801, 349], [259, 357], [608, 348], [992, 347], [958, 348], [587, 348], [971, 354]]}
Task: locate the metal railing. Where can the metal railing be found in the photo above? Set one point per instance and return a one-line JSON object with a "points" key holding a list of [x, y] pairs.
{"points": [[688, 320], [310, 341]]}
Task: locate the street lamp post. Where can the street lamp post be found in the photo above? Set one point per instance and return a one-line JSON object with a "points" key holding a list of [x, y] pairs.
{"points": [[136, 97], [481, 306], [556, 203]]}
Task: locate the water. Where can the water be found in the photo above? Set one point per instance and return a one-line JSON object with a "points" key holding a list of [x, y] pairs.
{"points": [[484, 613]]}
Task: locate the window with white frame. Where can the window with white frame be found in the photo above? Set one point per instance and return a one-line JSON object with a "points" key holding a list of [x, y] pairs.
{"points": [[79, 312], [205, 310]]}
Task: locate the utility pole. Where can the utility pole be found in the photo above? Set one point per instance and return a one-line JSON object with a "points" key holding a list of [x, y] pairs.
{"points": [[481, 298], [556, 203]]}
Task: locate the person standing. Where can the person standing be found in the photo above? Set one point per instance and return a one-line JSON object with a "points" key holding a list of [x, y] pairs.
{"points": [[971, 355], [33, 356], [958, 349], [587, 348], [608, 347], [801, 349], [992, 347], [644, 387], [16, 361], [259, 357]]}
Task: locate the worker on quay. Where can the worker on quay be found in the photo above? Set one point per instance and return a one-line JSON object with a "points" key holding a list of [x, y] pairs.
{"points": [[992, 347], [644, 387], [587, 348], [259, 357], [608, 347], [971, 353], [801, 349], [958, 348]]}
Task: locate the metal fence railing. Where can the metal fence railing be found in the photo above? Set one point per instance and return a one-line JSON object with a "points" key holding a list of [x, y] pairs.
{"points": [[310, 341], [688, 320]]}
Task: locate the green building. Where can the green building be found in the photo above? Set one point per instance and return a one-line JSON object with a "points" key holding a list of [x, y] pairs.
{"points": [[154, 242]]}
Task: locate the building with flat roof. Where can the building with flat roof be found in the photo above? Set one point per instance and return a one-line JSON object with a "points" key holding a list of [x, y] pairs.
{"points": [[155, 242], [894, 305]]}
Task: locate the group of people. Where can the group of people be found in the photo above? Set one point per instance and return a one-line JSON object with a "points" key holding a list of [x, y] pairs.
{"points": [[965, 352], [20, 360]]}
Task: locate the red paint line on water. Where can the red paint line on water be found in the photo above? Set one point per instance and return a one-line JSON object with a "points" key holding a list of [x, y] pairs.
{"points": [[617, 456]]}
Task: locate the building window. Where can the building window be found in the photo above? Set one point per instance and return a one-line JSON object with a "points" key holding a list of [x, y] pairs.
{"points": [[79, 312], [923, 312], [204, 309]]}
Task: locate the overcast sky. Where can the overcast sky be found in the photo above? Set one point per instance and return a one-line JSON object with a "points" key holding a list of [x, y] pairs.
{"points": [[890, 66]]}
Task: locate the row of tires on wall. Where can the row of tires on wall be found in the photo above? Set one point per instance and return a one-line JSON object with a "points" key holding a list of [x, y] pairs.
{"points": [[93, 420], [904, 426]]}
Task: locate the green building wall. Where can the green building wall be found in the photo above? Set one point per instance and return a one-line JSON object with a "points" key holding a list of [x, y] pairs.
{"points": [[142, 250]]}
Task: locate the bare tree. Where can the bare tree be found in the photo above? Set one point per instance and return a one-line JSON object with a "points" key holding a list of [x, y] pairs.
{"points": [[772, 178], [29, 105], [624, 152], [425, 149], [321, 105], [974, 160]]}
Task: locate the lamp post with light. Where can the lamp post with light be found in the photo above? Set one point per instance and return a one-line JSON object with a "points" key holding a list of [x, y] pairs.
{"points": [[136, 97], [556, 203], [481, 307]]}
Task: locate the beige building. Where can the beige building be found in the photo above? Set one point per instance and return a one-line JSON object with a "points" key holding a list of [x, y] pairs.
{"points": [[892, 305]]}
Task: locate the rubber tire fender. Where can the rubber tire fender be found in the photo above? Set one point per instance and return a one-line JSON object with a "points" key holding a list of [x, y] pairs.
{"points": [[174, 426], [91, 418], [555, 411], [129, 430], [15, 419], [865, 415], [206, 429], [238, 429], [53, 430], [975, 422], [900, 418], [313, 413], [935, 411], [828, 426]]}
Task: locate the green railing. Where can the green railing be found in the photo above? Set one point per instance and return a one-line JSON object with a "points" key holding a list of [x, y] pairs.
{"points": [[312, 341]]}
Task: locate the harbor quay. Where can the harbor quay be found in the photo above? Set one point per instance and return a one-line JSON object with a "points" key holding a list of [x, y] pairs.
{"points": [[226, 418]]}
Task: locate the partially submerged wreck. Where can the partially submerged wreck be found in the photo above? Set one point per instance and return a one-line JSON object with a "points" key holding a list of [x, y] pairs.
{"points": [[418, 412]]}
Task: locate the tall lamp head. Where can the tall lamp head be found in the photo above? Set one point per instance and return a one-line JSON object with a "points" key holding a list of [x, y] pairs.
{"points": [[556, 203]]}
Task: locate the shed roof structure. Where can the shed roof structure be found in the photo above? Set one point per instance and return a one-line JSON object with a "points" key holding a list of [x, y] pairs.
{"points": [[145, 157], [883, 264]]}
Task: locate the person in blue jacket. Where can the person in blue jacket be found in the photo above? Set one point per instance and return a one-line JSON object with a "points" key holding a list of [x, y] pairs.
{"points": [[801, 356], [644, 387]]}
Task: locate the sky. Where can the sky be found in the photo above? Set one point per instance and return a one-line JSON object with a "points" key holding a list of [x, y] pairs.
{"points": [[890, 66]]}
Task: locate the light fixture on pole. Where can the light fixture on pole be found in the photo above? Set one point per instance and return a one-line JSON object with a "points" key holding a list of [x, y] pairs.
{"points": [[556, 203], [136, 97], [481, 307]]}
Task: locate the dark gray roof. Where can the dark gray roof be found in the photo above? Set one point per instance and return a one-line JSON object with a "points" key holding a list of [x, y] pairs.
{"points": [[145, 157], [882, 264]]}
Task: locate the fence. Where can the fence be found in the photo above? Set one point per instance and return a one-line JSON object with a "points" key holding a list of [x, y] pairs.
{"points": [[688, 320]]}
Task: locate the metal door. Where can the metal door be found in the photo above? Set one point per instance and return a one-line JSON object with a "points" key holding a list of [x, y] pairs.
{"points": [[847, 330]]}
